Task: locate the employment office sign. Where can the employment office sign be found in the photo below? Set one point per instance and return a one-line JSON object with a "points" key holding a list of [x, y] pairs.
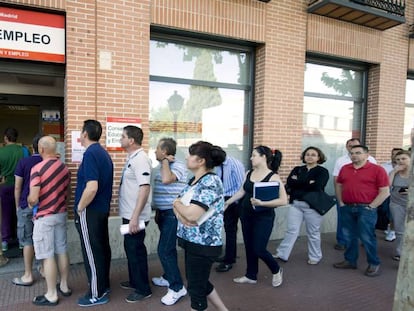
{"points": [[32, 35], [114, 129]]}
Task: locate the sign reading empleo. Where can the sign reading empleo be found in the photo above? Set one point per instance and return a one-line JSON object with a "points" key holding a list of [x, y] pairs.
{"points": [[32, 35], [114, 128]]}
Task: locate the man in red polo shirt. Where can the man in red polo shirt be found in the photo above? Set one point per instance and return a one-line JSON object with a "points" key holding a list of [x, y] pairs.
{"points": [[360, 188]]}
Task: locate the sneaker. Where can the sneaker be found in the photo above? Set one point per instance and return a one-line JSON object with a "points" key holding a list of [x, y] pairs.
{"points": [[126, 285], [312, 262], [344, 265], [134, 297], [396, 257], [390, 236], [4, 246], [172, 297], [3, 260], [277, 278], [160, 282], [244, 280], [88, 301], [372, 270]]}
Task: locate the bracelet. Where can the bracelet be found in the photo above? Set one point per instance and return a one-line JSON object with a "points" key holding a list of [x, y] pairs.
{"points": [[165, 159]]}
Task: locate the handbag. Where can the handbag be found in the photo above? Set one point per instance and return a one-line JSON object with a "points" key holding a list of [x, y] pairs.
{"points": [[319, 201]]}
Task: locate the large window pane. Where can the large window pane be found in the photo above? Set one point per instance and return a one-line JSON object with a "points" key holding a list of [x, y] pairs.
{"points": [[409, 113], [332, 111], [199, 93]]}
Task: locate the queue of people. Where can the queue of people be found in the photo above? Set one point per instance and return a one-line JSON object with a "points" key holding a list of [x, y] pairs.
{"points": [[190, 211]]}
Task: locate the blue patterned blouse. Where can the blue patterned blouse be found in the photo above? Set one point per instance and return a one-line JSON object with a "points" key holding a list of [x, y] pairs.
{"points": [[208, 193]]}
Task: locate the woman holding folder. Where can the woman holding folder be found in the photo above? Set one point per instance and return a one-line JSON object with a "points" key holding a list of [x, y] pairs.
{"points": [[310, 177], [257, 216]]}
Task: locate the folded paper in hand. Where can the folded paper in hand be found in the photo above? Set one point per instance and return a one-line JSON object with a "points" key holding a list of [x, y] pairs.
{"points": [[186, 200], [124, 229], [265, 191]]}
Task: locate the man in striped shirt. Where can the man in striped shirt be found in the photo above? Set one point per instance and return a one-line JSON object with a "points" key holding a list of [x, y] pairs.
{"points": [[49, 181], [169, 179]]}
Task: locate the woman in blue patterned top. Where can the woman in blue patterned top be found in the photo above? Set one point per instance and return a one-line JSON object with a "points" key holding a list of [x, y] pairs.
{"points": [[199, 210]]}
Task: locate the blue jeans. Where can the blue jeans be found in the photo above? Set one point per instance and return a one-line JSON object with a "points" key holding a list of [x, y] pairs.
{"points": [[167, 251], [136, 253], [359, 223], [257, 228], [339, 230]]}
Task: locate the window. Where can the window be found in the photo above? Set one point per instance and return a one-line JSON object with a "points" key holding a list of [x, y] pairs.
{"points": [[409, 113], [333, 109], [200, 91]]}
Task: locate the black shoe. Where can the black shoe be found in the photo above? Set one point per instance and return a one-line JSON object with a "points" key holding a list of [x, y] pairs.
{"points": [[220, 259], [224, 267], [339, 247]]}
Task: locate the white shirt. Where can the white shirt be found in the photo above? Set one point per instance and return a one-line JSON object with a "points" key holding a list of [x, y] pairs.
{"points": [[388, 167], [136, 172], [346, 159]]}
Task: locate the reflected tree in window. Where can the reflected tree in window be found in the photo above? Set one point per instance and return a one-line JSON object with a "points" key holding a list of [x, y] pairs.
{"points": [[348, 84]]}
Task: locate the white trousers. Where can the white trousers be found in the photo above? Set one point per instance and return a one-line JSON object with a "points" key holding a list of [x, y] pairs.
{"points": [[300, 211]]}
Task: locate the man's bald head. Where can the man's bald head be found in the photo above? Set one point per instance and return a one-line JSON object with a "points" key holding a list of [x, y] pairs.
{"points": [[47, 146]]}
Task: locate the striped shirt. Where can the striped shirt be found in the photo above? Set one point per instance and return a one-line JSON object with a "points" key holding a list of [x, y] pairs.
{"points": [[231, 173], [163, 195], [52, 176]]}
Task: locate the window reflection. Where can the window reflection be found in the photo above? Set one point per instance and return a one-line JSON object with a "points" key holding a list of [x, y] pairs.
{"points": [[409, 113], [200, 63], [332, 110]]}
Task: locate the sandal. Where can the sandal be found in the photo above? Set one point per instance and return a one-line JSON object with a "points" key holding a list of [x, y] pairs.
{"points": [[3, 260]]}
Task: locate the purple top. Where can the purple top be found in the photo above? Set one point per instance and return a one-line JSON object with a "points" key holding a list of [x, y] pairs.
{"points": [[23, 169]]}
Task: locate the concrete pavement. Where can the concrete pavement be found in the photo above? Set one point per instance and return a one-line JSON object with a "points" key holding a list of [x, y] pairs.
{"points": [[320, 287]]}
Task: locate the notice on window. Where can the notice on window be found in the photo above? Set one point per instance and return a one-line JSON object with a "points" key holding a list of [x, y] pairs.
{"points": [[114, 128], [77, 149]]}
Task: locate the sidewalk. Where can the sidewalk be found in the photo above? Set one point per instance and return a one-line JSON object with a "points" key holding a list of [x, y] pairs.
{"points": [[305, 287]]}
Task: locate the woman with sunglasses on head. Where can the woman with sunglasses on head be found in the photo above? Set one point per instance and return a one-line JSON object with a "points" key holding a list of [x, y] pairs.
{"points": [[302, 179], [199, 210], [257, 225]]}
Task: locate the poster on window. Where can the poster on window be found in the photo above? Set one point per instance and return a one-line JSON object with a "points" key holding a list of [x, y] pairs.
{"points": [[114, 128]]}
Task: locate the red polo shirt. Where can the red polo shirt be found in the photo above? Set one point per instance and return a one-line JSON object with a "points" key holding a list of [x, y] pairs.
{"points": [[361, 185]]}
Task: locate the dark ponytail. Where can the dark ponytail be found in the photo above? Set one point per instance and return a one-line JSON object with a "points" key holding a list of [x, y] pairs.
{"points": [[214, 155], [273, 157]]}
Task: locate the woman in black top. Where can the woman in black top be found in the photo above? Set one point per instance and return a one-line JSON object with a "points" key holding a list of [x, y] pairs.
{"points": [[302, 179], [257, 225]]}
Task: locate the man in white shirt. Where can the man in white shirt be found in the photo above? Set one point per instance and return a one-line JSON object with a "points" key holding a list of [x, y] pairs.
{"points": [[340, 162], [135, 208]]}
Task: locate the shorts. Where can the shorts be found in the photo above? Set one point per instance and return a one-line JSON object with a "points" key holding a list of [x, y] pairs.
{"points": [[49, 235], [25, 226]]}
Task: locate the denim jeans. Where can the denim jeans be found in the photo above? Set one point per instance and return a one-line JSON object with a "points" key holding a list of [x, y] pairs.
{"points": [[136, 253], [167, 250], [340, 239], [359, 223], [257, 228]]}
